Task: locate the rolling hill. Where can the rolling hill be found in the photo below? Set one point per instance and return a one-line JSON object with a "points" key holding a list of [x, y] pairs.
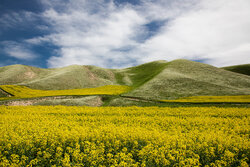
{"points": [[155, 80], [70, 77], [181, 78], [242, 69]]}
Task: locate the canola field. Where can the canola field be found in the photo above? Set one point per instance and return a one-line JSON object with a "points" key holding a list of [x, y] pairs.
{"points": [[213, 99], [124, 136], [25, 92]]}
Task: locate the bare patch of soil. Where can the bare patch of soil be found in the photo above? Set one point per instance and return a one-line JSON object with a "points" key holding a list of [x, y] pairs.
{"points": [[96, 102], [111, 75], [29, 75], [92, 77], [28, 102]]}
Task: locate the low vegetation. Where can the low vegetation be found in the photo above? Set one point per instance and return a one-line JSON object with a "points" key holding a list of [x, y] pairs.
{"points": [[183, 78], [213, 99], [2, 94], [242, 69], [124, 136]]}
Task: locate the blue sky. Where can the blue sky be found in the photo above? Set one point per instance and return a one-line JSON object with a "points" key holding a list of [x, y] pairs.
{"points": [[123, 33]]}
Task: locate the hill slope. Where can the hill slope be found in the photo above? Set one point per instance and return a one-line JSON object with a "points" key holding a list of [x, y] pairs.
{"points": [[154, 80], [242, 69], [71, 77], [182, 78], [138, 75]]}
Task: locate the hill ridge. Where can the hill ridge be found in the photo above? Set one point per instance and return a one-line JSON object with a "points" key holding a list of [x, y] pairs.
{"points": [[153, 80]]}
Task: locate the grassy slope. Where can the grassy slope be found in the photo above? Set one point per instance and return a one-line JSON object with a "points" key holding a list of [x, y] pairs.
{"points": [[141, 74], [154, 80], [129, 102], [15, 74], [182, 78], [242, 69], [71, 77]]}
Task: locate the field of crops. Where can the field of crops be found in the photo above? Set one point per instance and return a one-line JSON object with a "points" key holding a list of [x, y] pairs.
{"points": [[25, 92], [124, 136], [213, 99]]}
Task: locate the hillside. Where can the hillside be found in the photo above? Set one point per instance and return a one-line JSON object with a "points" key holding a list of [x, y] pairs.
{"points": [[181, 78], [138, 75], [242, 69], [155, 80], [71, 77]]}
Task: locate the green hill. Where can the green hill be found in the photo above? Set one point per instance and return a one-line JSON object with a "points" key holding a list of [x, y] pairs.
{"points": [[242, 69], [154, 80], [71, 77], [138, 75], [181, 78], [15, 74]]}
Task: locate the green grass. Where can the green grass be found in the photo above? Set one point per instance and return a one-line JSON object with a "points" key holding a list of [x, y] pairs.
{"points": [[73, 77], [155, 80], [120, 101], [183, 78], [143, 73], [15, 74], [70, 77], [242, 69]]}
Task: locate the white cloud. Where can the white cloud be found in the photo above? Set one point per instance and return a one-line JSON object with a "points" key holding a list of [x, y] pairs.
{"points": [[18, 51], [101, 33], [216, 31], [86, 38]]}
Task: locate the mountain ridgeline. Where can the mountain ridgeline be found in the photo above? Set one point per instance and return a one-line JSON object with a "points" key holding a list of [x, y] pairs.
{"points": [[154, 80]]}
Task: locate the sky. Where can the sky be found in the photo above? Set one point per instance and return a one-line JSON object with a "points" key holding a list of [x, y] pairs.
{"points": [[123, 33]]}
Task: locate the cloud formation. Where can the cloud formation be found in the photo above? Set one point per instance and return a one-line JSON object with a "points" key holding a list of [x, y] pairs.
{"points": [[215, 31], [17, 19], [18, 51], [112, 35]]}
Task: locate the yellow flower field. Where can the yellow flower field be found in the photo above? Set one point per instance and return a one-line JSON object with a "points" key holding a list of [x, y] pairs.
{"points": [[124, 136], [213, 99], [25, 92]]}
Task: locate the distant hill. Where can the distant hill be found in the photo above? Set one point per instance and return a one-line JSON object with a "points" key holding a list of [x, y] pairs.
{"points": [[242, 69], [154, 80], [70, 77]]}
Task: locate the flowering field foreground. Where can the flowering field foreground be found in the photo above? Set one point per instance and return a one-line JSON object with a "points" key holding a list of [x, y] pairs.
{"points": [[124, 136], [25, 92]]}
